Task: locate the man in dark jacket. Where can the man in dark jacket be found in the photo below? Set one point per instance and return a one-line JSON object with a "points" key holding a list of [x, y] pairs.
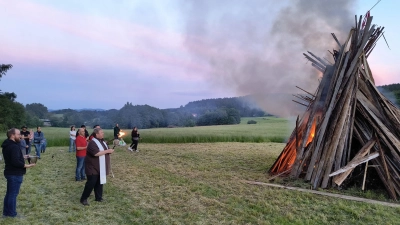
{"points": [[116, 131], [14, 170]]}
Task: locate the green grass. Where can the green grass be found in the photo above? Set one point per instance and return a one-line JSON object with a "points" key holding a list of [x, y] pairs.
{"points": [[267, 129], [192, 183]]}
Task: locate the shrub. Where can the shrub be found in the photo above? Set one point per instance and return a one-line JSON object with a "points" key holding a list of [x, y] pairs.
{"points": [[251, 122]]}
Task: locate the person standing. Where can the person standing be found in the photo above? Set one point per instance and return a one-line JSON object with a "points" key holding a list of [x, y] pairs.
{"points": [[86, 132], [97, 167], [135, 140], [92, 135], [38, 139], [72, 137], [116, 131], [81, 145], [14, 170], [27, 137]]}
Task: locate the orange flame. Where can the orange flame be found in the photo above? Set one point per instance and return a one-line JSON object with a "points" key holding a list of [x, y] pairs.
{"points": [[312, 133]]}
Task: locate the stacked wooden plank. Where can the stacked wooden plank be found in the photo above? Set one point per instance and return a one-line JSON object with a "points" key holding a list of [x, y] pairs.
{"points": [[348, 122]]}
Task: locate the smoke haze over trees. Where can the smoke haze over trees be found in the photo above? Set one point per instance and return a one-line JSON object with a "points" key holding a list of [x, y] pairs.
{"points": [[252, 54]]}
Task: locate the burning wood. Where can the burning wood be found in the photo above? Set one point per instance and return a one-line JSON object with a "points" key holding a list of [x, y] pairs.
{"points": [[346, 118]]}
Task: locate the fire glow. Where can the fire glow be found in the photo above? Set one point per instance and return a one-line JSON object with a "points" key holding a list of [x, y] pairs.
{"points": [[288, 155]]}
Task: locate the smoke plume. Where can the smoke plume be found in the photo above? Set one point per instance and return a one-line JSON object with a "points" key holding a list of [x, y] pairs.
{"points": [[255, 47]]}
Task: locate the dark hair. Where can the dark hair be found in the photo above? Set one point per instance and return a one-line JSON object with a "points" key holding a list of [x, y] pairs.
{"points": [[23, 127], [37, 127], [11, 132], [83, 126], [72, 127], [96, 126]]}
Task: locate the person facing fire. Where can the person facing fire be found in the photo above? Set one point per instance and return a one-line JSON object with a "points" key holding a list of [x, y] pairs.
{"points": [[135, 140], [26, 136], [81, 145], [14, 170], [97, 167], [93, 134], [116, 131]]}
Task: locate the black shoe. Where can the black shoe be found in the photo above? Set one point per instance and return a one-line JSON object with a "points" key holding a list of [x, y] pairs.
{"points": [[99, 200], [84, 202], [83, 179], [77, 180]]}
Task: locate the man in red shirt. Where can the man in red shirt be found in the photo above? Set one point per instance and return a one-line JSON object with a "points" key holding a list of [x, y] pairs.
{"points": [[81, 145]]}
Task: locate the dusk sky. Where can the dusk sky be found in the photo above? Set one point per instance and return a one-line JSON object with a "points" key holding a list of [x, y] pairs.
{"points": [[165, 53]]}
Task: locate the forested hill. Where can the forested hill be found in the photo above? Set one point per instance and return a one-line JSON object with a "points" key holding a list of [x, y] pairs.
{"points": [[218, 111], [392, 92]]}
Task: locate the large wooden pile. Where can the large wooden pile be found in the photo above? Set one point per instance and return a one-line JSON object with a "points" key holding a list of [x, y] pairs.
{"points": [[348, 123]]}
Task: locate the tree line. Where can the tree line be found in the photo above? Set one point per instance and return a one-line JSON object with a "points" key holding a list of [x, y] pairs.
{"points": [[205, 112]]}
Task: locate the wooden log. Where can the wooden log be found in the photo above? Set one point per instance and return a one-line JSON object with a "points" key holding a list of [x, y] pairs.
{"points": [[381, 173], [352, 116], [353, 163], [319, 59], [321, 131], [363, 151], [386, 170], [365, 174], [315, 62], [318, 68], [337, 134], [382, 127], [315, 108], [335, 38]]}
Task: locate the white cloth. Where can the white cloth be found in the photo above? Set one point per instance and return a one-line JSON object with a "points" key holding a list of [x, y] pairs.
{"points": [[70, 134], [102, 160]]}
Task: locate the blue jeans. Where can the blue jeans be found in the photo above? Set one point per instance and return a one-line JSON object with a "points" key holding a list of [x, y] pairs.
{"points": [[38, 147], [80, 168], [28, 150], [10, 200], [71, 145]]}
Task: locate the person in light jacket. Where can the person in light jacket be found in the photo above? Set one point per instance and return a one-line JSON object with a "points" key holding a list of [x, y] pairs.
{"points": [[38, 141]]}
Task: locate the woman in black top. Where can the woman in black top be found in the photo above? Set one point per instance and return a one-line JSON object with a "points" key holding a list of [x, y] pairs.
{"points": [[135, 140]]}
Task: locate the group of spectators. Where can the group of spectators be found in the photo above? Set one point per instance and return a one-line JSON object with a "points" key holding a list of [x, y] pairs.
{"points": [[92, 160], [36, 138], [92, 154]]}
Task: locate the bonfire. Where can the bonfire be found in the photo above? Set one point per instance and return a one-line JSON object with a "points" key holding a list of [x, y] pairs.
{"points": [[348, 125]]}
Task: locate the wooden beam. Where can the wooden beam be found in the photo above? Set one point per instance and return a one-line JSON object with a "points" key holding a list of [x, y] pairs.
{"points": [[352, 164]]}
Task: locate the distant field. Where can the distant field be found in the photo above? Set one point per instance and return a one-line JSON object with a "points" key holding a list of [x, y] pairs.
{"points": [[267, 129]]}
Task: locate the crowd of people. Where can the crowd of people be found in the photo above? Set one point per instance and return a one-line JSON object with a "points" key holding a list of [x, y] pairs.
{"points": [[92, 160]]}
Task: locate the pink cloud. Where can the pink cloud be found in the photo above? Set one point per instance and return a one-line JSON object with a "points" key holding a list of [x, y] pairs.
{"points": [[142, 48]]}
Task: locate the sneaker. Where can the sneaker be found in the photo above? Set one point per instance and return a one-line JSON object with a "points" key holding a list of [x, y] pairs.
{"points": [[130, 149], [19, 216], [84, 202], [136, 150]]}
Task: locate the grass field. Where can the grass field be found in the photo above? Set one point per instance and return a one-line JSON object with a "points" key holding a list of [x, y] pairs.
{"points": [[193, 183], [186, 183], [267, 129]]}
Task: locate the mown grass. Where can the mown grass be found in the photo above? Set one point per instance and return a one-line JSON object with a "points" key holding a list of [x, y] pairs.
{"points": [[192, 183], [267, 129]]}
